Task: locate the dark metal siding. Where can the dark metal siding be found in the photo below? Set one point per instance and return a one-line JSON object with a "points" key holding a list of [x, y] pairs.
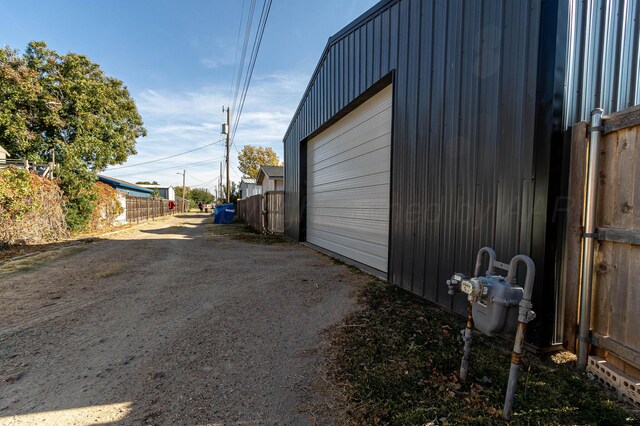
{"points": [[477, 137], [603, 60]]}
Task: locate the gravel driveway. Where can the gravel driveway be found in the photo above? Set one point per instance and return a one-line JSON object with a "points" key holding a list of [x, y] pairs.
{"points": [[171, 322]]}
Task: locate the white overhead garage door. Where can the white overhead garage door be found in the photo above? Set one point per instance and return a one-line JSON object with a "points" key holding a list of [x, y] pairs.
{"points": [[348, 183]]}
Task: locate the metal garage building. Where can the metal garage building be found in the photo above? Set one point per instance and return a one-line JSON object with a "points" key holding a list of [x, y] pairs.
{"points": [[432, 128]]}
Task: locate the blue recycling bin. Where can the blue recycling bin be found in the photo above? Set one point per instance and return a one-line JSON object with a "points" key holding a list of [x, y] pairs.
{"points": [[224, 213]]}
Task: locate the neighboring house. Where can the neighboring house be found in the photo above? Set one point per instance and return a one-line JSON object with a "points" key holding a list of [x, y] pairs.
{"points": [[249, 188], [166, 192], [431, 129], [126, 187], [44, 170], [271, 178], [3, 155]]}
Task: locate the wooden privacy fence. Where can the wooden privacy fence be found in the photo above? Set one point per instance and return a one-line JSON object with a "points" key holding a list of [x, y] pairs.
{"points": [[274, 212], [145, 208], [615, 310], [263, 212]]}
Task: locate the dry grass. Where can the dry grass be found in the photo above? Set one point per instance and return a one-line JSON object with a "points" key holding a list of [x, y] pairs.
{"points": [[242, 232], [109, 270], [35, 261], [396, 362]]}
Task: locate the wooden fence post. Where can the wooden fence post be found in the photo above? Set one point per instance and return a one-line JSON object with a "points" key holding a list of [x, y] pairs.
{"points": [[573, 234]]}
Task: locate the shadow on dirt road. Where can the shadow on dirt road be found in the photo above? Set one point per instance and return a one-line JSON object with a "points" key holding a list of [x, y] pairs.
{"points": [[172, 322]]}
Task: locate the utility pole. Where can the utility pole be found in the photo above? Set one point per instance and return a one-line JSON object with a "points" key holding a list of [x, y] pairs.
{"points": [[228, 140], [184, 195]]}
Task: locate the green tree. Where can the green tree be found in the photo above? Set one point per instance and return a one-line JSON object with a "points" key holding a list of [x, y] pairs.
{"points": [[67, 105], [187, 191], [201, 195], [252, 157], [22, 104], [233, 195]]}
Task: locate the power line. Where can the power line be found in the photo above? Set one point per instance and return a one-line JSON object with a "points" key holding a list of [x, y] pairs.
{"points": [[172, 167], [204, 184], [164, 158], [262, 23], [202, 181], [247, 34], [235, 60], [237, 170], [192, 176]]}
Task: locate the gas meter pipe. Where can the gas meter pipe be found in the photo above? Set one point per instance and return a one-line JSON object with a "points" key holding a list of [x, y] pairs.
{"points": [[466, 338], [589, 237], [525, 314], [467, 332], [492, 260]]}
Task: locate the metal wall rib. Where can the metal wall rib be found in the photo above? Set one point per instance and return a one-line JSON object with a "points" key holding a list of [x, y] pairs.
{"points": [[465, 76], [603, 57]]}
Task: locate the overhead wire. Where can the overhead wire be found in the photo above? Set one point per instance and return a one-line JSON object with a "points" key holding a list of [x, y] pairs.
{"points": [[235, 60], [247, 35], [262, 23], [204, 184], [165, 158], [172, 167], [235, 166], [200, 180]]}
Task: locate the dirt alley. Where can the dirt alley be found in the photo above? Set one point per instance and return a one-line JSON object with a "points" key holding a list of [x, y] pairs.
{"points": [[169, 322]]}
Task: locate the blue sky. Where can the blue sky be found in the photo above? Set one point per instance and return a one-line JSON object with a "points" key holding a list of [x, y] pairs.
{"points": [[178, 58]]}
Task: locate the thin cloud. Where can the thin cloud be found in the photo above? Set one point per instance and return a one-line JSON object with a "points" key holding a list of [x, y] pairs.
{"points": [[179, 121]]}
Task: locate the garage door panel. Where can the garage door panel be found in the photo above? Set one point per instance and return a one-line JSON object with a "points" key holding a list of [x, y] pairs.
{"points": [[380, 144], [357, 167], [369, 231], [355, 118], [377, 179], [380, 215], [362, 138], [369, 254], [371, 197], [348, 184]]}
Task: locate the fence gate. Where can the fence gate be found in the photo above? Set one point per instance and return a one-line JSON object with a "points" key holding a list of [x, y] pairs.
{"points": [[263, 212], [615, 310]]}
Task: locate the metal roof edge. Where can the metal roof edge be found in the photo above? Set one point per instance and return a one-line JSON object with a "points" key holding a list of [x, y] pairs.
{"points": [[124, 184], [372, 11]]}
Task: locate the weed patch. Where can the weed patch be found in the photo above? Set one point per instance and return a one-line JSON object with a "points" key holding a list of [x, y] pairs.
{"points": [[396, 361], [242, 232]]}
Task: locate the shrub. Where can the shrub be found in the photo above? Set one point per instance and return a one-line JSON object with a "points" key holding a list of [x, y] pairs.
{"points": [[107, 208], [80, 197], [31, 208]]}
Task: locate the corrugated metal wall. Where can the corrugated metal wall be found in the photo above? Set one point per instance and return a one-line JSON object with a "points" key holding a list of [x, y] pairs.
{"points": [[603, 57], [464, 158]]}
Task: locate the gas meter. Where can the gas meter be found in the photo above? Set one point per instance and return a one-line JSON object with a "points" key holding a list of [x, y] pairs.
{"points": [[494, 302], [497, 305]]}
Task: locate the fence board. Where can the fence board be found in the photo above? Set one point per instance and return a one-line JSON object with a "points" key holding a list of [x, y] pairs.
{"points": [[264, 212], [274, 208], [144, 208], [241, 210], [254, 212], [616, 297], [573, 234]]}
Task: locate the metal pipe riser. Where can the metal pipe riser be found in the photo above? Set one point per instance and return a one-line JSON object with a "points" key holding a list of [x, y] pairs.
{"points": [[590, 206], [514, 372], [467, 338], [492, 260]]}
